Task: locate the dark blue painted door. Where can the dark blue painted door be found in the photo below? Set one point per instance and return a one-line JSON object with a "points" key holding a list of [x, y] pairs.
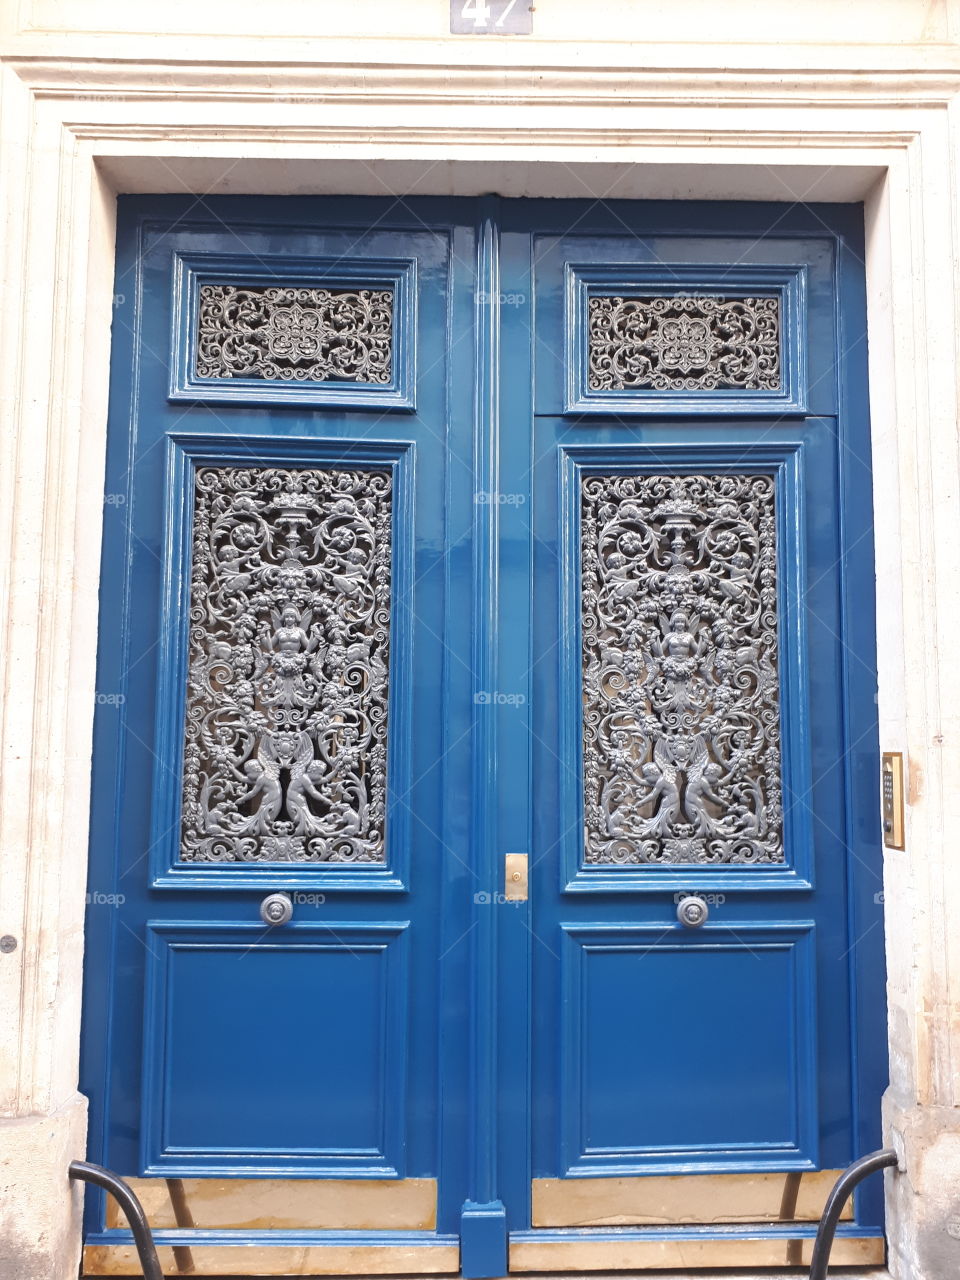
{"points": [[690, 517], [288, 492], [438, 531]]}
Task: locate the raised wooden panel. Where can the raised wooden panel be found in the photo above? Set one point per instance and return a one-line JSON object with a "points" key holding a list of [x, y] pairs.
{"points": [[235, 1014], [722, 1018]]}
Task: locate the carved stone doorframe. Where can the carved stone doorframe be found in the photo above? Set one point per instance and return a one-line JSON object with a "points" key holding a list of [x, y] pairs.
{"points": [[79, 131]]}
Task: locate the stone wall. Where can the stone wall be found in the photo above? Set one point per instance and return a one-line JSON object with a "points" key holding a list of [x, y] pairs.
{"points": [[778, 100]]}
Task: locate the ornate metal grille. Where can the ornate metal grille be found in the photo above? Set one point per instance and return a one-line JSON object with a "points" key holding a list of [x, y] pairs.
{"points": [[286, 333], [684, 343], [286, 715], [681, 718]]}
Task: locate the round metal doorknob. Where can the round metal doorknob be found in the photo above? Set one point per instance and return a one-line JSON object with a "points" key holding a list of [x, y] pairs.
{"points": [[692, 912], [276, 908]]}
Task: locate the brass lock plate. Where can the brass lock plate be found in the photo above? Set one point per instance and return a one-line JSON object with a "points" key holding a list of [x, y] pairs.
{"points": [[515, 877], [892, 799]]}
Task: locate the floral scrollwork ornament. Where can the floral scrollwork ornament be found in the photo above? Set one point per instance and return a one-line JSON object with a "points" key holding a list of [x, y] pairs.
{"points": [[681, 718], [285, 333], [286, 709], [684, 343]]}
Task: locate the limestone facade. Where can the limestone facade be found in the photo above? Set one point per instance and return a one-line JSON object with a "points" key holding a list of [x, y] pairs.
{"points": [[782, 100]]}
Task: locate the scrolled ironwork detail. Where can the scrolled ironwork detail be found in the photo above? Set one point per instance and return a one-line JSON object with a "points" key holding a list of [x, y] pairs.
{"points": [[681, 714], [288, 333], [684, 343], [285, 750]]}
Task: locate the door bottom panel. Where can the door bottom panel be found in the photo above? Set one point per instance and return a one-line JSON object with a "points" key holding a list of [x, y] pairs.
{"points": [[687, 1198], [626, 1254], [285, 1204], [346, 1258]]}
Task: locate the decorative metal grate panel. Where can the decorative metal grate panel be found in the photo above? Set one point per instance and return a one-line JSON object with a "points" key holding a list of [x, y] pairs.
{"points": [[684, 343], [284, 333], [681, 714], [286, 709]]}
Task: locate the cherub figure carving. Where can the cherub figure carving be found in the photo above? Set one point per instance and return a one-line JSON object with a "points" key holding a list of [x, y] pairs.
{"points": [[623, 581], [662, 783], [739, 578], [230, 570], [305, 774], [263, 776], [703, 775]]}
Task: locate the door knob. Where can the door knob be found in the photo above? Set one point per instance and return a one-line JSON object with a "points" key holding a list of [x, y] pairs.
{"points": [[692, 911], [276, 908]]}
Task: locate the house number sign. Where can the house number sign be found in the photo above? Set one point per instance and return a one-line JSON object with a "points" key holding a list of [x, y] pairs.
{"points": [[491, 17]]}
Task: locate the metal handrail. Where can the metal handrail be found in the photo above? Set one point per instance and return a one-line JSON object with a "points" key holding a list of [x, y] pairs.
{"points": [[81, 1171], [837, 1198]]}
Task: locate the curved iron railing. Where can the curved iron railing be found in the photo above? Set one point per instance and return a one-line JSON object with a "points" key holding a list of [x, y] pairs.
{"points": [[81, 1171], [837, 1198]]}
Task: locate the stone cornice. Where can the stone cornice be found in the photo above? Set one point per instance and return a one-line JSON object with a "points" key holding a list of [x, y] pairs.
{"points": [[466, 137], [279, 47], [549, 84]]}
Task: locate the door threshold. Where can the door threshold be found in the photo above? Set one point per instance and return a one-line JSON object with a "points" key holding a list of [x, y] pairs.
{"points": [[837, 1273]]}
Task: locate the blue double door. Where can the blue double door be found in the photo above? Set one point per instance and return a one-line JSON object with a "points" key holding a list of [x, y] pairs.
{"points": [[485, 823]]}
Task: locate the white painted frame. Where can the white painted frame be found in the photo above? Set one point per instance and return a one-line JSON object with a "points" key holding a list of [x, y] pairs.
{"points": [[78, 130]]}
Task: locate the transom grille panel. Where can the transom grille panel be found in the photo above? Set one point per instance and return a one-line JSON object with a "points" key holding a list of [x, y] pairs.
{"points": [[683, 343], [286, 333]]}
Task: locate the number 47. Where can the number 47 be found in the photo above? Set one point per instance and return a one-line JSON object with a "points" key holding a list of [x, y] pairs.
{"points": [[480, 12]]}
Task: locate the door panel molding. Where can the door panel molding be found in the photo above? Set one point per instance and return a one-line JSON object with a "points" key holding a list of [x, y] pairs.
{"points": [[224, 999], [613, 1027], [483, 1220]]}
